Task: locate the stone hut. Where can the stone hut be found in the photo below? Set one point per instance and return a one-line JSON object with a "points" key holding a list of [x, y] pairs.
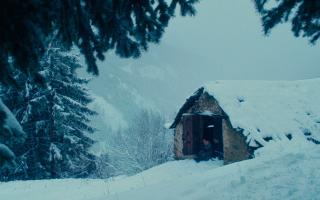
{"points": [[238, 117], [202, 117]]}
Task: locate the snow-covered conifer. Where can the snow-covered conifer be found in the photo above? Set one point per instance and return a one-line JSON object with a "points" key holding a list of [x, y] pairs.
{"points": [[11, 139], [55, 117]]}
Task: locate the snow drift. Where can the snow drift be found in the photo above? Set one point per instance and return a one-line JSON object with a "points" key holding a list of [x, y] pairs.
{"points": [[286, 171]]}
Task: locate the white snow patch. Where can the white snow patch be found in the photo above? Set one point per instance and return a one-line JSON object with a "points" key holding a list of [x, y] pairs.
{"points": [[167, 125], [207, 113], [11, 123], [5, 152], [55, 153]]}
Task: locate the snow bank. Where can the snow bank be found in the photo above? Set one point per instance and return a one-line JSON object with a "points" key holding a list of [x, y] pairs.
{"points": [[87, 189], [277, 109], [282, 173], [292, 174]]}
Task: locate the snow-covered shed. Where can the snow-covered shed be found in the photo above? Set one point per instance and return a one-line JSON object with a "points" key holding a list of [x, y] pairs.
{"points": [[241, 116]]}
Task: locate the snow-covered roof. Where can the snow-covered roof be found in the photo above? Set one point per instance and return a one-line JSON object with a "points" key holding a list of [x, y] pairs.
{"points": [[265, 109], [189, 102]]}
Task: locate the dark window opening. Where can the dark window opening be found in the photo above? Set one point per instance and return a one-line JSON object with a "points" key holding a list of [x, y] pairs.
{"points": [[202, 136]]}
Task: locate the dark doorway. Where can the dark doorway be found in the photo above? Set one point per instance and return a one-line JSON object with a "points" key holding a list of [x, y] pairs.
{"points": [[197, 127], [213, 133]]}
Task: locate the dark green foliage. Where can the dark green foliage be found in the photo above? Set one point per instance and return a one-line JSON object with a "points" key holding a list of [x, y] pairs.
{"points": [[55, 118], [304, 16], [95, 26], [12, 138]]}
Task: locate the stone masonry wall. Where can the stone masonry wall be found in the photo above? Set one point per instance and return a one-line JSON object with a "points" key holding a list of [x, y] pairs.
{"points": [[178, 143], [234, 144]]}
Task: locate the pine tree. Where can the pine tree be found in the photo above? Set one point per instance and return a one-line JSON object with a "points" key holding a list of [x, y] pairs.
{"points": [[15, 99], [95, 26], [303, 14], [11, 139], [55, 117]]}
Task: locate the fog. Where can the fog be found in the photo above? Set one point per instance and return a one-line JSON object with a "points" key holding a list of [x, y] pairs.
{"points": [[229, 35], [223, 41]]}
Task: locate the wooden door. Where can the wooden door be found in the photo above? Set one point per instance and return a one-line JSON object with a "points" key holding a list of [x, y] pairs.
{"points": [[191, 138]]}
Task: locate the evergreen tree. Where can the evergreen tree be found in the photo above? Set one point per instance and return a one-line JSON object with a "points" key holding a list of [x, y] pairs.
{"points": [[11, 139], [303, 14], [55, 119], [95, 26]]}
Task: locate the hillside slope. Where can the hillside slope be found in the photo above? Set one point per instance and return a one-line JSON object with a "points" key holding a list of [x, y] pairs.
{"points": [[159, 80], [281, 171]]}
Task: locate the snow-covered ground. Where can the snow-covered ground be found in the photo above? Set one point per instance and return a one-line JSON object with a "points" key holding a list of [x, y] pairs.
{"points": [[287, 170]]}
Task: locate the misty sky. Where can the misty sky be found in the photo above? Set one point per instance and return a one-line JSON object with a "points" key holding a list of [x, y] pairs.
{"points": [[228, 35], [223, 41]]}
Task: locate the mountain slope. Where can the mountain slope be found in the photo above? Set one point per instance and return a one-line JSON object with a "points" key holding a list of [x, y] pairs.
{"points": [[159, 80], [282, 171]]}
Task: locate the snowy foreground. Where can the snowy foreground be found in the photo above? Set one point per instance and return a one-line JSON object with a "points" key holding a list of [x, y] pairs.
{"points": [[286, 171]]}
